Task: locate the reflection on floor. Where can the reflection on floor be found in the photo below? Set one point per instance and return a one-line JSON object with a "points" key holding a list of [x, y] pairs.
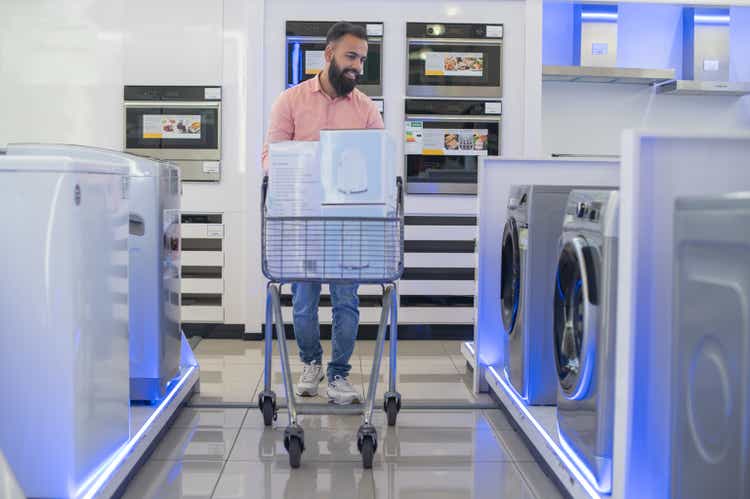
{"points": [[228, 452]]}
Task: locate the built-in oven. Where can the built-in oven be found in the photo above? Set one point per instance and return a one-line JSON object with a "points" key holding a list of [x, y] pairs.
{"points": [[305, 53], [444, 140], [454, 60], [181, 124]]}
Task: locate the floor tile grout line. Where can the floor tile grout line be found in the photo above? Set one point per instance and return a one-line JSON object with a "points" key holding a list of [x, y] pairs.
{"points": [[526, 481], [229, 454]]}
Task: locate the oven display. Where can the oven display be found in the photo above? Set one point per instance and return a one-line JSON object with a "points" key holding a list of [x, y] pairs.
{"points": [[445, 141], [172, 126], [469, 64]]}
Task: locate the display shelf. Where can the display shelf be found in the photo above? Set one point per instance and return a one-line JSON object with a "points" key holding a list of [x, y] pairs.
{"points": [[539, 425], [147, 423], [687, 87]]}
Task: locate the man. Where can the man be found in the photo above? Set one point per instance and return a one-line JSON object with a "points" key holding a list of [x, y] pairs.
{"points": [[328, 101]]}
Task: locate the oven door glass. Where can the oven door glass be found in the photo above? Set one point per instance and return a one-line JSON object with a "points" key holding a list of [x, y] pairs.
{"points": [[448, 151], [306, 59], [454, 64], [172, 128]]}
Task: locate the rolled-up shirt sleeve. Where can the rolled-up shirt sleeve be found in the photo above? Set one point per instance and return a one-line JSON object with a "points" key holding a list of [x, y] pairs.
{"points": [[280, 126], [374, 118]]}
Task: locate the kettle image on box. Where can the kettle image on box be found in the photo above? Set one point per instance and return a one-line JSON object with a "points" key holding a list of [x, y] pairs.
{"points": [[352, 172]]}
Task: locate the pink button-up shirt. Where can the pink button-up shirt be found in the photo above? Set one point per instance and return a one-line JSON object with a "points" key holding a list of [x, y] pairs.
{"points": [[301, 112]]}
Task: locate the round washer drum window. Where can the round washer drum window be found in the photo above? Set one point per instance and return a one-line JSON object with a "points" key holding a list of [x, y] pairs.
{"points": [[569, 318], [510, 276]]}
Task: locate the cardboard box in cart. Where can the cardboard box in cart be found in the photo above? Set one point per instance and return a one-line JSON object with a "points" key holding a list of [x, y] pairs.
{"points": [[351, 174], [359, 180]]}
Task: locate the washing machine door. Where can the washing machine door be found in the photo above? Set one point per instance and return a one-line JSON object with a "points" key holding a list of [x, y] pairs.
{"points": [[510, 275], [575, 316]]}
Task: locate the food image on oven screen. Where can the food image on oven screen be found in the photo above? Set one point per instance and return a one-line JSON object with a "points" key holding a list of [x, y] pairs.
{"points": [[167, 125], [450, 63], [480, 141], [451, 141]]}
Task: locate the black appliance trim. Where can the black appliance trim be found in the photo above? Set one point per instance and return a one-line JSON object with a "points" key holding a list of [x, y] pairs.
{"points": [[451, 30], [168, 93], [320, 28], [451, 107]]}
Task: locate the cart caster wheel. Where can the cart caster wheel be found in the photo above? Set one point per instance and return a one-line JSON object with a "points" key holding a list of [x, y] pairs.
{"points": [[368, 452], [295, 452], [367, 443], [392, 407], [294, 442], [267, 404]]}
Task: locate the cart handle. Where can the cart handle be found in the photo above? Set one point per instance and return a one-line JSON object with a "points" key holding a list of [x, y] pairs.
{"points": [[263, 193], [400, 186]]}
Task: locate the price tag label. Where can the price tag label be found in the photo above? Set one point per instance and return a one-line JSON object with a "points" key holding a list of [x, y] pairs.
{"points": [[494, 31], [599, 49], [215, 231], [212, 93], [211, 167], [374, 30], [710, 65], [493, 107]]}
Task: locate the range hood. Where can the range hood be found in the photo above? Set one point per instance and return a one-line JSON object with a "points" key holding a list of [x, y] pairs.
{"points": [[692, 87], [594, 74], [705, 56], [595, 37]]}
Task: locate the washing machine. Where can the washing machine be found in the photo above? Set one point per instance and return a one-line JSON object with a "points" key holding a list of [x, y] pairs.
{"points": [[583, 331], [154, 263], [529, 244], [63, 319], [710, 421]]}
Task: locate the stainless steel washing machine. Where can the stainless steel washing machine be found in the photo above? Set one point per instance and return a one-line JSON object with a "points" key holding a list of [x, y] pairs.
{"points": [[153, 293], [710, 421], [529, 243], [584, 324]]}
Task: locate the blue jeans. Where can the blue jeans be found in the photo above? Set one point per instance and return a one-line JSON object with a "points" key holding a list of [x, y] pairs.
{"points": [[305, 301]]}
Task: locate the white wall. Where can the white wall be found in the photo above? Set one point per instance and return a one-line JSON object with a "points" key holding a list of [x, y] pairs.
{"points": [[61, 72], [63, 66], [588, 118]]}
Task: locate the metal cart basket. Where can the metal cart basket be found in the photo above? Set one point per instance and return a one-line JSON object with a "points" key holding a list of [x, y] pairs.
{"points": [[332, 250]]}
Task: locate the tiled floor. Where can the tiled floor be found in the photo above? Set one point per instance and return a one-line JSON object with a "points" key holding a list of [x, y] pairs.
{"points": [[228, 453]]}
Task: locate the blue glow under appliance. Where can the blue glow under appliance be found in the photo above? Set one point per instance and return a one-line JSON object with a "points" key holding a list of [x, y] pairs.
{"points": [[584, 324]]}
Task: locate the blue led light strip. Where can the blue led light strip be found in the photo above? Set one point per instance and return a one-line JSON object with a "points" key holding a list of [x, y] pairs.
{"points": [[295, 64], [711, 19], [599, 16], [91, 487], [577, 468], [471, 348]]}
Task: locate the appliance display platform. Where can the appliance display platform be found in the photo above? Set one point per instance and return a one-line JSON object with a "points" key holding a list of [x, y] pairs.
{"points": [[147, 422], [539, 424]]}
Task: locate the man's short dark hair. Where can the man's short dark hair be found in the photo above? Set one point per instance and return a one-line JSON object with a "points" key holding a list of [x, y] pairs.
{"points": [[339, 30]]}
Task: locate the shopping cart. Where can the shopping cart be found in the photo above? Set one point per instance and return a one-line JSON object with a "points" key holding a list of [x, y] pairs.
{"points": [[332, 250]]}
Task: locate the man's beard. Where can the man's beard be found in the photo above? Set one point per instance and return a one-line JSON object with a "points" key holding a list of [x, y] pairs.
{"points": [[341, 83]]}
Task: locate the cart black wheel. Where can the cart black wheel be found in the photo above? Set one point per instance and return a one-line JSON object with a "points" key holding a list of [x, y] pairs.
{"points": [[391, 411], [269, 411], [295, 451], [368, 452]]}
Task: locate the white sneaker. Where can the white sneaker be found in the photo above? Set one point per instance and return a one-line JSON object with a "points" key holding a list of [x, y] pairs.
{"points": [[312, 375], [341, 392]]}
